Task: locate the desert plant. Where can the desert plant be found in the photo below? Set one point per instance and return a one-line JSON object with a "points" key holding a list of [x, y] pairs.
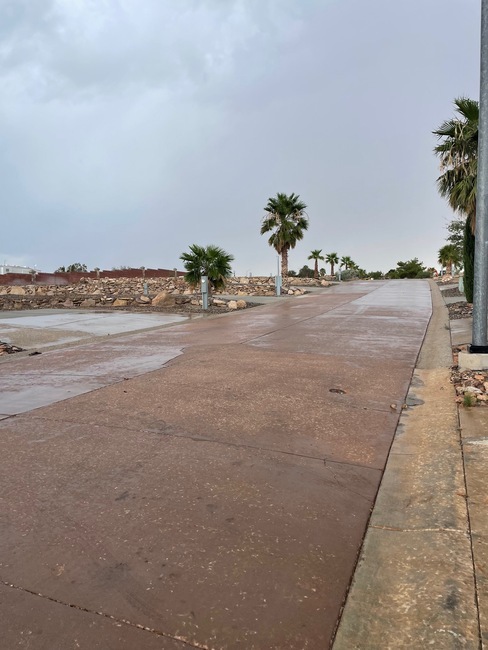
{"points": [[316, 255], [210, 261], [458, 154], [332, 259], [287, 222], [448, 255], [347, 262], [305, 272]]}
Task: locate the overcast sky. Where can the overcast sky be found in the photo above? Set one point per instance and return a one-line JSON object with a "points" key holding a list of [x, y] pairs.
{"points": [[130, 129]]}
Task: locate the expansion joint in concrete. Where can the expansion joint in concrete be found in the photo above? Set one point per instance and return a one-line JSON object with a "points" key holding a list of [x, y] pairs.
{"points": [[470, 530], [302, 320], [122, 621]]}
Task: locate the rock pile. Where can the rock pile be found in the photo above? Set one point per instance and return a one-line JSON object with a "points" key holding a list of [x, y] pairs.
{"points": [[471, 383], [6, 348], [460, 310], [139, 293]]}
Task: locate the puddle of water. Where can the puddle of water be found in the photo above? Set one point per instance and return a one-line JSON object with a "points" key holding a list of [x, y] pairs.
{"points": [[97, 324]]}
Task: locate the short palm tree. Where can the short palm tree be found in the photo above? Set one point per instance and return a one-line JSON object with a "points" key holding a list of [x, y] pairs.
{"points": [[316, 256], [211, 261], [449, 255], [286, 221], [332, 259]]}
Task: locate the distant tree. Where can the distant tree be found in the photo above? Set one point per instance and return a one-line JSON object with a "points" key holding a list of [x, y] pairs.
{"points": [[332, 259], [286, 221], [322, 272], [376, 275], [305, 272], [292, 274], [316, 256], [347, 262], [211, 261], [455, 228], [73, 268], [410, 269], [449, 255]]}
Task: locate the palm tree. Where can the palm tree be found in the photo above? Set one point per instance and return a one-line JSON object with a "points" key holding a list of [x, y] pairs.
{"points": [[316, 256], [347, 262], [332, 259], [286, 220], [458, 153], [449, 255], [211, 261]]}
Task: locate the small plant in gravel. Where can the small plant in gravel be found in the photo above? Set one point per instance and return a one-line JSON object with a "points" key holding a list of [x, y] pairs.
{"points": [[469, 400]]}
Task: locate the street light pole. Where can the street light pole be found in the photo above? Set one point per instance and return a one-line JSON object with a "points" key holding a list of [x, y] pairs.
{"points": [[480, 289]]}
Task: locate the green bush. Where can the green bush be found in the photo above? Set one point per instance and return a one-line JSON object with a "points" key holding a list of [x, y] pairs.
{"points": [[348, 274]]}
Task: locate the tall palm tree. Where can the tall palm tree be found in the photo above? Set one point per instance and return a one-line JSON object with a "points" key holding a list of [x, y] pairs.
{"points": [[211, 261], [316, 256], [347, 262], [449, 255], [458, 154], [332, 259], [286, 220]]}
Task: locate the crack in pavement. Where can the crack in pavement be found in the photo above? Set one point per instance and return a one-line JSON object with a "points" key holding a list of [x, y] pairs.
{"points": [[304, 320], [236, 445], [123, 621], [420, 530]]}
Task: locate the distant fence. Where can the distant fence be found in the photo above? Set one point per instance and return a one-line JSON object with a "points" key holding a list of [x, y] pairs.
{"points": [[61, 279]]}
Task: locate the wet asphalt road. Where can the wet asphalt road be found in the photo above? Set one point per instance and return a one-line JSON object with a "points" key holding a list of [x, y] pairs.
{"points": [[204, 485]]}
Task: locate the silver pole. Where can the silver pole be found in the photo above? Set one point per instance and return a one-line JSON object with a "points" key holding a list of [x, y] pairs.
{"points": [[278, 277], [480, 289]]}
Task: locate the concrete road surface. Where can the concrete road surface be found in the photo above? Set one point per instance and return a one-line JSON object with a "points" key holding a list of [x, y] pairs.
{"points": [[204, 485]]}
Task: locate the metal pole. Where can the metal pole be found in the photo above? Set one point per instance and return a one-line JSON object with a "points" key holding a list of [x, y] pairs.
{"points": [[204, 288], [480, 289], [278, 277]]}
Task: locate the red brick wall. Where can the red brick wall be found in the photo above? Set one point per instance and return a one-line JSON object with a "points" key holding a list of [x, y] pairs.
{"points": [[73, 278]]}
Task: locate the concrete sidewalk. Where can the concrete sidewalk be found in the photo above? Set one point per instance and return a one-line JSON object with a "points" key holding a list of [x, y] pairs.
{"points": [[209, 484], [421, 579]]}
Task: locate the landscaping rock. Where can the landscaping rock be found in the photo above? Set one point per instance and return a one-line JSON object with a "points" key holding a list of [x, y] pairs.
{"points": [[88, 302], [163, 298]]}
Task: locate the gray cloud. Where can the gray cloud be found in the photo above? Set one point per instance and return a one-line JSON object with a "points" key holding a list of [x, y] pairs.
{"points": [[131, 129]]}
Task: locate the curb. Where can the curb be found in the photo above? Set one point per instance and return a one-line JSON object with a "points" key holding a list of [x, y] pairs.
{"points": [[415, 583]]}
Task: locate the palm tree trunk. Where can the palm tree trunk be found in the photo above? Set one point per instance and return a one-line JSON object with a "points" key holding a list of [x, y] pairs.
{"points": [[449, 268], [284, 264], [316, 270], [332, 269]]}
